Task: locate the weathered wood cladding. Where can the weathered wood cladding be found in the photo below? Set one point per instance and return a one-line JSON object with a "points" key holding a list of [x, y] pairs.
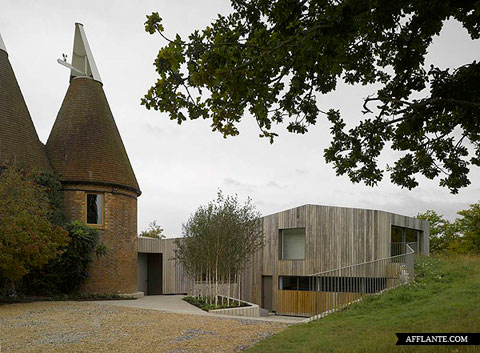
{"points": [[334, 237], [303, 303], [175, 280]]}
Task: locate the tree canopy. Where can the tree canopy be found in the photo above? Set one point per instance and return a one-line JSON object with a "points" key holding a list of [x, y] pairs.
{"points": [[218, 241], [28, 239], [273, 58], [460, 236], [154, 231]]}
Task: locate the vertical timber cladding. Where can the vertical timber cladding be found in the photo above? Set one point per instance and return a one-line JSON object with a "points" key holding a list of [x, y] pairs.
{"points": [[334, 237], [174, 279], [117, 271]]}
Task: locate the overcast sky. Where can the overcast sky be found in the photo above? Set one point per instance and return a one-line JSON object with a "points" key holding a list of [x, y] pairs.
{"points": [[181, 167]]}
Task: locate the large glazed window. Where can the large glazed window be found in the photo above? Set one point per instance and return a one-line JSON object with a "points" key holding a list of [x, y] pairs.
{"points": [[292, 244], [411, 235], [95, 209], [397, 235], [400, 237]]}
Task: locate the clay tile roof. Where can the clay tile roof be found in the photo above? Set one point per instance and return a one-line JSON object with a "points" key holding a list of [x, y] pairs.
{"points": [[85, 145], [19, 143]]}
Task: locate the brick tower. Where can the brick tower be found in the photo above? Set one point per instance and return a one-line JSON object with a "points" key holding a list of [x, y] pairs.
{"points": [[19, 143], [100, 188]]}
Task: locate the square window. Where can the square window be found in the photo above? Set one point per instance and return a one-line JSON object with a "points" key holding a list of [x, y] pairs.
{"points": [[292, 244], [95, 209]]}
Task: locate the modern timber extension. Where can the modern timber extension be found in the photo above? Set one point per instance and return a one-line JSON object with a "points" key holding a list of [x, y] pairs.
{"points": [[316, 258]]}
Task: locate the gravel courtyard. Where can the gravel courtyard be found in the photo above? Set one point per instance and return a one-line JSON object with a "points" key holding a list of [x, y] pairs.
{"points": [[90, 327]]}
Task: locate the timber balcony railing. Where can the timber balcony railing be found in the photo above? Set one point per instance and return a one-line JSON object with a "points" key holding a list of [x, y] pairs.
{"points": [[335, 289]]}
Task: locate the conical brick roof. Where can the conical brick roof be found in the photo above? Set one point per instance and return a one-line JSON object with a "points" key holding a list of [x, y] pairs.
{"points": [[85, 145], [19, 143]]}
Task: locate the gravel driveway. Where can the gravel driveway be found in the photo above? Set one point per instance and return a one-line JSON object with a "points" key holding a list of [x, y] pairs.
{"points": [[90, 327]]}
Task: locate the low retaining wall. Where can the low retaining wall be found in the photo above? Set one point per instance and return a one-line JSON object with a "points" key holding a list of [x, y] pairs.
{"points": [[253, 310]]}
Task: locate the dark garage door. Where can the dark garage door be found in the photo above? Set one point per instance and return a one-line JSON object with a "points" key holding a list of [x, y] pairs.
{"points": [[154, 282]]}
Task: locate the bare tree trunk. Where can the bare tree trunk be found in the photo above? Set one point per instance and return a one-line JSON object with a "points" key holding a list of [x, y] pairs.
{"points": [[235, 281], [239, 281], [229, 289], [222, 289], [209, 288], [11, 290], [216, 281], [210, 285], [200, 284]]}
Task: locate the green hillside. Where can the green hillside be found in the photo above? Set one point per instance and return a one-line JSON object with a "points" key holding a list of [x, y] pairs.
{"points": [[445, 297]]}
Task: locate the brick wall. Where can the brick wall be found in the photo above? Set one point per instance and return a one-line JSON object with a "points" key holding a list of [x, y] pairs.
{"points": [[117, 271]]}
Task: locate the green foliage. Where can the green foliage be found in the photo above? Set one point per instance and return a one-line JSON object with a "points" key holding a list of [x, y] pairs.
{"points": [[222, 235], [153, 231], [218, 241], [35, 245], [28, 239], [443, 298], [272, 58], [461, 236], [101, 250], [53, 188], [469, 227], [206, 303], [442, 232], [66, 273], [428, 268]]}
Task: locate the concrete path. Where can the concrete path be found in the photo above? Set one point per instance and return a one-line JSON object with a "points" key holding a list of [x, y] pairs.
{"points": [[175, 304], [170, 303]]}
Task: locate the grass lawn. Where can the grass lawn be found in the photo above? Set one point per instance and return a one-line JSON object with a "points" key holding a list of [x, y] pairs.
{"points": [[445, 297]]}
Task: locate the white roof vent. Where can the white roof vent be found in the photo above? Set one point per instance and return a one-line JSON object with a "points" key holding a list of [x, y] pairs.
{"points": [[83, 64], [2, 44]]}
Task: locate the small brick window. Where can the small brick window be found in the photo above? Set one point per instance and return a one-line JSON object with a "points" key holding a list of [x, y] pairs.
{"points": [[94, 209]]}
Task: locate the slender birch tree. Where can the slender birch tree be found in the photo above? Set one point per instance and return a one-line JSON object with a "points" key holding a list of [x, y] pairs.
{"points": [[218, 241]]}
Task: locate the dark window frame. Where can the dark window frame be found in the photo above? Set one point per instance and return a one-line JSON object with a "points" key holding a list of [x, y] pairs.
{"points": [[399, 247], [102, 211]]}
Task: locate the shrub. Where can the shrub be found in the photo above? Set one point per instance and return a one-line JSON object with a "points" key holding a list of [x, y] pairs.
{"points": [[53, 190], [66, 273], [206, 303], [28, 239]]}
